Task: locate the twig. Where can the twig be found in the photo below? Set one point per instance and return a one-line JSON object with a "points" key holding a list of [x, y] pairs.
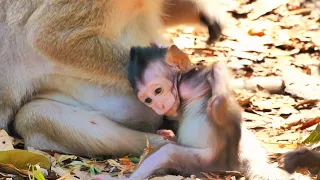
{"points": [[64, 176]]}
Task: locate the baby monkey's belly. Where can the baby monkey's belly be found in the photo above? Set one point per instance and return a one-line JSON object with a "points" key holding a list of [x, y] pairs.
{"points": [[195, 132]]}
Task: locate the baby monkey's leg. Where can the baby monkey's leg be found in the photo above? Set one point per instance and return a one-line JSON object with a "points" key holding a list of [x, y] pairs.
{"points": [[225, 114], [170, 156], [301, 158]]}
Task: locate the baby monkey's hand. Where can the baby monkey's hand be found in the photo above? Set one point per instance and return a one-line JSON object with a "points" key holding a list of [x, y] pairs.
{"points": [[167, 135]]}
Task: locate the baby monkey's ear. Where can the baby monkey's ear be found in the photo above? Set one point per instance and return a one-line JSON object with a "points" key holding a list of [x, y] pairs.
{"points": [[178, 59]]}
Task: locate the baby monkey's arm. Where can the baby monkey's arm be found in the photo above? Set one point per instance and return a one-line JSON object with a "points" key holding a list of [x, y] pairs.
{"points": [[225, 114]]}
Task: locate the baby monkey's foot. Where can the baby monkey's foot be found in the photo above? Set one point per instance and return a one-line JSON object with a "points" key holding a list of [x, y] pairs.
{"points": [[303, 158], [167, 135]]}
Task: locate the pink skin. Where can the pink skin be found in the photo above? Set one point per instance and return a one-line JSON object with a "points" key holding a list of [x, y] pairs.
{"points": [[167, 135], [153, 44], [165, 101]]}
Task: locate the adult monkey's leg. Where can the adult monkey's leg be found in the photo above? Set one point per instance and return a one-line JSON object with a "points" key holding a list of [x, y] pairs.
{"points": [[208, 13], [53, 125]]}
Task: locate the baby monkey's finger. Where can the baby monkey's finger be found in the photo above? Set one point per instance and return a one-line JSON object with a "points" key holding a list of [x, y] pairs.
{"points": [[209, 108], [211, 80]]}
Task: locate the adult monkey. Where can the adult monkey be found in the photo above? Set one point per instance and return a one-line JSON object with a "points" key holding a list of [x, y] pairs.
{"points": [[73, 56]]}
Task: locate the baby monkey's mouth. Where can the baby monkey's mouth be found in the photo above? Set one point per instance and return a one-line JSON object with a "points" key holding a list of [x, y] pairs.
{"points": [[173, 111]]}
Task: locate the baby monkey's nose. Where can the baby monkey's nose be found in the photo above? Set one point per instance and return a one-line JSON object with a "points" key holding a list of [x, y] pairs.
{"points": [[161, 105]]}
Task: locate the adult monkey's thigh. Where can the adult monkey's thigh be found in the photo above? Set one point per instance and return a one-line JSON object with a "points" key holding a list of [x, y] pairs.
{"points": [[56, 126]]}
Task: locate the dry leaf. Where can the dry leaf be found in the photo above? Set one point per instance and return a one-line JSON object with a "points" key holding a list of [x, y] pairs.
{"points": [[310, 84], [6, 141], [125, 161], [255, 32], [307, 102], [264, 6]]}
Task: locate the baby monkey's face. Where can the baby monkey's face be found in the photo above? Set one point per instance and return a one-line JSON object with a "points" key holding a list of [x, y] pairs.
{"points": [[158, 91]]}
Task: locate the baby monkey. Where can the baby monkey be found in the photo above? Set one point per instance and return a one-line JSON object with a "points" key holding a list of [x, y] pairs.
{"points": [[209, 119]]}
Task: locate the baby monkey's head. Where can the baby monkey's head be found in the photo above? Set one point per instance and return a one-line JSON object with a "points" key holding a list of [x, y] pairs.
{"points": [[153, 73]]}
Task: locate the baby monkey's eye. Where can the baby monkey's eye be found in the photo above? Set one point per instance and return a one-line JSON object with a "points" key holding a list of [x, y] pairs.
{"points": [[158, 90], [148, 100]]}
